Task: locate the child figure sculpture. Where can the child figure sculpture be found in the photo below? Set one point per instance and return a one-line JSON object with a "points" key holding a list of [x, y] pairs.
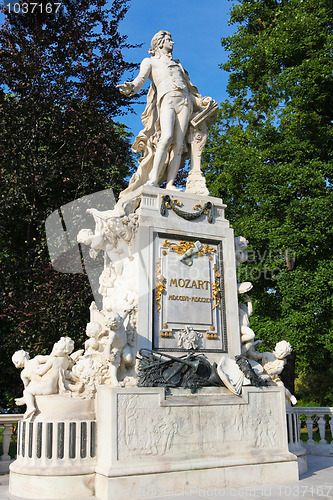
{"points": [[44, 375], [93, 331], [273, 363], [117, 349]]}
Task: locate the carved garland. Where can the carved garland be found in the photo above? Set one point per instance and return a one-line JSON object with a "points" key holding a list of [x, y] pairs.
{"points": [[160, 284], [174, 205], [183, 246], [216, 288]]}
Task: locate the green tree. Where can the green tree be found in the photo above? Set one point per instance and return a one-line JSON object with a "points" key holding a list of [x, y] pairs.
{"points": [[59, 141], [269, 157]]}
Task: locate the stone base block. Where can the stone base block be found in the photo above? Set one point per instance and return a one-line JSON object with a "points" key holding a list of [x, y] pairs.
{"points": [[301, 455], [202, 482], [302, 464], [157, 443], [4, 466], [324, 450], [51, 487]]}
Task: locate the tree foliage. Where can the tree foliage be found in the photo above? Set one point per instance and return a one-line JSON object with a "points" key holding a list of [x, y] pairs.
{"points": [[270, 158], [59, 141]]}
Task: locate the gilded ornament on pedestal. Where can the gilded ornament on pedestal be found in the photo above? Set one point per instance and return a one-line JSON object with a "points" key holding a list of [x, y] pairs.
{"points": [[166, 335], [169, 204], [160, 284], [211, 336], [184, 246], [216, 288]]}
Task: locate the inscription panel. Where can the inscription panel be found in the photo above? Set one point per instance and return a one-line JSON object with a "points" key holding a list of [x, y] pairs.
{"points": [[189, 307], [187, 286]]}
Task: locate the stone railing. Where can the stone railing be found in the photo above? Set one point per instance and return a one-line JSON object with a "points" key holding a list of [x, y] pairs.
{"points": [[294, 440], [7, 422], [314, 416]]}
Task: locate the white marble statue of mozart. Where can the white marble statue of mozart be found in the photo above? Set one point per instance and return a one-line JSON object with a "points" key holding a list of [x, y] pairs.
{"points": [[171, 102]]}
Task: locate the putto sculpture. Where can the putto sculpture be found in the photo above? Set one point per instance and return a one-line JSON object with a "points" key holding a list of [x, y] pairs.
{"points": [[266, 365], [45, 375], [173, 103]]}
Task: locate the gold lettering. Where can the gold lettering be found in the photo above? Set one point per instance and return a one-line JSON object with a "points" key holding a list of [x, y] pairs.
{"points": [[201, 299], [184, 298], [187, 283]]}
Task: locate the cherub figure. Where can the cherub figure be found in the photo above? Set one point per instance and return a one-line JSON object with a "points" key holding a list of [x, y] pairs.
{"points": [[247, 334], [273, 363], [111, 231], [93, 331], [94, 240], [241, 254], [45, 375], [117, 349], [189, 339]]}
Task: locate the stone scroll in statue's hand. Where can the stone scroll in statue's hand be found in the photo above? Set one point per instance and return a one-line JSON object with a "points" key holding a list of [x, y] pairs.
{"points": [[208, 114]]}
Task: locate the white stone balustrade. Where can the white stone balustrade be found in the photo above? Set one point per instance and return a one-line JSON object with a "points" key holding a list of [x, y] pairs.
{"points": [[7, 421], [314, 415], [294, 439]]}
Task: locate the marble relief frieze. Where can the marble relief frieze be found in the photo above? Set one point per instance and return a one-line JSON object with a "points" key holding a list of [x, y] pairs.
{"points": [[145, 429]]}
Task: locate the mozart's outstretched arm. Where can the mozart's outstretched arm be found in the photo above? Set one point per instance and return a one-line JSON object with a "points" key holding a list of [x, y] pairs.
{"points": [[131, 88]]}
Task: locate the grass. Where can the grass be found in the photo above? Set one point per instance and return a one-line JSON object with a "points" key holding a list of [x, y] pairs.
{"points": [[315, 435]]}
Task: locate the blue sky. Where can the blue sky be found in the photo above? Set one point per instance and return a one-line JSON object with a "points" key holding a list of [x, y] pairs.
{"points": [[196, 27]]}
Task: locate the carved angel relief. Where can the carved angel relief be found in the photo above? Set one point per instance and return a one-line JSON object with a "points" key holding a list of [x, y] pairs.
{"points": [[189, 339]]}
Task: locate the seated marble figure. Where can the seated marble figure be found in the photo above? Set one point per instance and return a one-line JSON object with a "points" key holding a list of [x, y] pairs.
{"points": [[45, 375]]}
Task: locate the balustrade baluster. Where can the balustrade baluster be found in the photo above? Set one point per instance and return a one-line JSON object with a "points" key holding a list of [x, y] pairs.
{"points": [[7, 422], [299, 425], [6, 435], [309, 427], [321, 425]]}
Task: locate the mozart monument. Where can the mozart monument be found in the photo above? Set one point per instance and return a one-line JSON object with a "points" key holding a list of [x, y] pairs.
{"points": [[169, 389]]}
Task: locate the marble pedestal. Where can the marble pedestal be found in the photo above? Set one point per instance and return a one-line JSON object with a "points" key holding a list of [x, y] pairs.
{"points": [[153, 444], [177, 294], [177, 270], [56, 451]]}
